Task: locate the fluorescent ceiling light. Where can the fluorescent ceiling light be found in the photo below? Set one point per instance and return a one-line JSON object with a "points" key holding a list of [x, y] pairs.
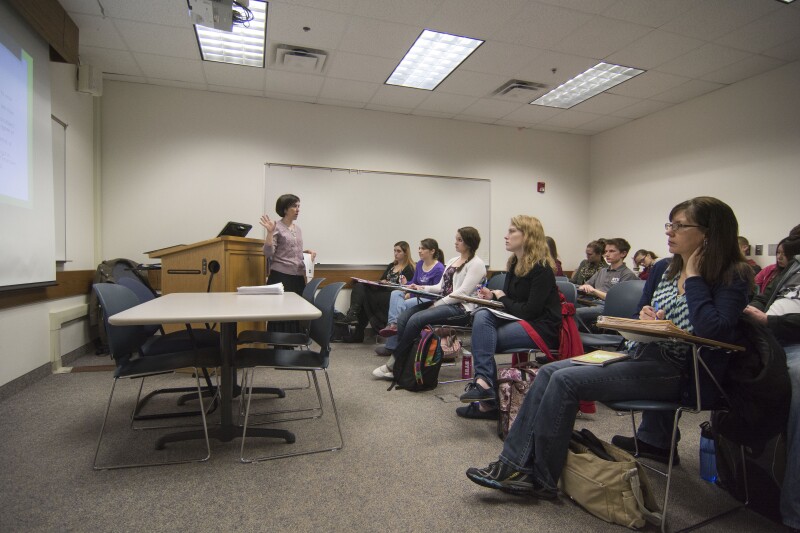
{"points": [[786, 1], [431, 59], [597, 79], [242, 46]]}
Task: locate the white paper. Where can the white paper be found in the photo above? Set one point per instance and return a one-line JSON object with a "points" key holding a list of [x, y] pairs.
{"points": [[500, 314], [309, 266], [276, 288]]}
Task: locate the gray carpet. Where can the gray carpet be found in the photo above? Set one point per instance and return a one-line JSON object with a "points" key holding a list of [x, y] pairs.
{"points": [[402, 467]]}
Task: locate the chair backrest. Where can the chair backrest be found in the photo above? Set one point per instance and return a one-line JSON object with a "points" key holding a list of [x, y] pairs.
{"points": [[321, 329], [497, 282], [622, 298], [311, 289], [569, 291], [122, 340], [562, 278], [141, 291]]}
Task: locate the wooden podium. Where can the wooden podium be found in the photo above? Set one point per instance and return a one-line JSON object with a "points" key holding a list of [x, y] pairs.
{"points": [[189, 267]]}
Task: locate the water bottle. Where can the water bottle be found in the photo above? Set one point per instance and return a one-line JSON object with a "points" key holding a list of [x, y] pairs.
{"points": [[466, 365], [708, 454]]}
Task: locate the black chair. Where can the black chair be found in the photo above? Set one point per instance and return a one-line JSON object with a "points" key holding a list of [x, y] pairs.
{"points": [[160, 342], [306, 360], [621, 301], [696, 403], [568, 289], [125, 343]]}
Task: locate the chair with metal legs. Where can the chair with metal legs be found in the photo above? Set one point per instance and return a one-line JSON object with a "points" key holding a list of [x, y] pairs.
{"points": [[125, 343], [306, 360]]}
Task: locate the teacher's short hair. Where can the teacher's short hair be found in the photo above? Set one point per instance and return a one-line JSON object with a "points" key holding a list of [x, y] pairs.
{"points": [[285, 202]]}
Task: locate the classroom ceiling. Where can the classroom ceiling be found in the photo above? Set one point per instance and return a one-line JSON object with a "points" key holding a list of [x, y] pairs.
{"points": [[688, 47]]}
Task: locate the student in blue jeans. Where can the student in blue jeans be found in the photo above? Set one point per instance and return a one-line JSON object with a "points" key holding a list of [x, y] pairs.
{"points": [[703, 291], [530, 293]]}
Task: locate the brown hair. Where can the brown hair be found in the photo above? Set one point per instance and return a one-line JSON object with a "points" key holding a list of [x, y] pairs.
{"points": [[284, 202], [472, 239], [432, 244], [407, 251]]}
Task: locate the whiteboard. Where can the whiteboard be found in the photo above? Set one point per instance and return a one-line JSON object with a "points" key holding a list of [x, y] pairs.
{"points": [[354, 217]]}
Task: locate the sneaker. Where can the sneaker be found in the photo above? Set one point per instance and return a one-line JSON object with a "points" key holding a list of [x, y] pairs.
{"points": [[383, 350], [499, 475], [473, 411], [476, 393], [647, 451], [383, 372], [388, 331]]}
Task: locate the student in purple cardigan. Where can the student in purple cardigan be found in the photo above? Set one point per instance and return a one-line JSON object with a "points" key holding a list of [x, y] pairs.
{"points": [[428, 271], [283, 248]]}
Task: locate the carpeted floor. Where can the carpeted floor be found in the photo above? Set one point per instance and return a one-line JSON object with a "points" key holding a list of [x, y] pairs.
{"points": [[402, 467]]}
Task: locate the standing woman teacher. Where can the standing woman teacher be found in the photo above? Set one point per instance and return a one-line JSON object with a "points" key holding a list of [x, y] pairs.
{"points": [[283, 248]]}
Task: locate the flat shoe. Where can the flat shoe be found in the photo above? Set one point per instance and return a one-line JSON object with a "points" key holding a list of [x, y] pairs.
{"points": [[473, 411], [383, 372], [388, 332]]}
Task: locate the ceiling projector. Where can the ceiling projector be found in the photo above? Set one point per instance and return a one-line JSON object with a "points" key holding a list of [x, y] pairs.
{"points": [[219, 14]]}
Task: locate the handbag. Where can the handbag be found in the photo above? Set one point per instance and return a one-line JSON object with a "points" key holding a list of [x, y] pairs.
{"points": [[608, 482], [512, 386], [451, 344]]}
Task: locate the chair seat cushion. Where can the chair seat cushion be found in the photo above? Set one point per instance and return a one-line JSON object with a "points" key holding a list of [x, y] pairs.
{"points": [[643, 405], [179, 341], [167, 362], [274, 337], [252, 357]]}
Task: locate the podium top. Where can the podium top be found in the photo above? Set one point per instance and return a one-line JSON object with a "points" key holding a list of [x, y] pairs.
{"points": [[161, 252]]}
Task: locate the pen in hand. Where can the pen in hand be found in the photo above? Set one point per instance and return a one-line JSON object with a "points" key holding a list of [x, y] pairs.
{"points": [[655, 307]]}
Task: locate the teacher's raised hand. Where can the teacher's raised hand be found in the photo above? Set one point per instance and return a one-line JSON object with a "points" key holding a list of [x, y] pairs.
{"points": [[267, 224]]}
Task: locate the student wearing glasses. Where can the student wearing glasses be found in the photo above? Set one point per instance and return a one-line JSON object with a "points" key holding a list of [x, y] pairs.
{"points": [[644, 259], [702, 291]]}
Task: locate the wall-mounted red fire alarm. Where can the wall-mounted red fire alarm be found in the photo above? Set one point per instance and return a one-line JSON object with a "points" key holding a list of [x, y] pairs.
{"points": [[540, 187]]}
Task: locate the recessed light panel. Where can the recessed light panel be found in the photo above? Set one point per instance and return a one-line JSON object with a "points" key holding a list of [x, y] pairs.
{"points": [[432, 58], [597, 79], [242, 46]]}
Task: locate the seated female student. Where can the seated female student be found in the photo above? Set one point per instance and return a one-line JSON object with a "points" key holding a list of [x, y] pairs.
{"points": [[703, 291], [462, 276], [428, 271], [594, 262], [370, 304], [530, 294], [645, 260], [551, 244], [769, 273]]}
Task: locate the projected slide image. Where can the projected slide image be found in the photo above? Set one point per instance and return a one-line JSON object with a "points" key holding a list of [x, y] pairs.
{"points": [[16, 77]]}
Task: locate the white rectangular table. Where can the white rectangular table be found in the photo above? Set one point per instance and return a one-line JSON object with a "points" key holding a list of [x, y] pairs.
{"points": [[227, 309]]}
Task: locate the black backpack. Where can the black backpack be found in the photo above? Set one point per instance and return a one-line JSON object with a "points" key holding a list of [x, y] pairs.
{"points": [[419, 369]]}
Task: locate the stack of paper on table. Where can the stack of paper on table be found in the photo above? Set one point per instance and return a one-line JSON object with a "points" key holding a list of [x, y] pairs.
{"points": [[276, 288]]}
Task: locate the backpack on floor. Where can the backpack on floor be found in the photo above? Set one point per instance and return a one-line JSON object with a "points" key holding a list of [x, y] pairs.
{"points": [[419, 370], [512, 384]]}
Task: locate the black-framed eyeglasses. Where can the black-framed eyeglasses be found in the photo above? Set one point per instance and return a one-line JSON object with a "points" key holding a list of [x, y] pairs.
{"points": [[677, 226]]}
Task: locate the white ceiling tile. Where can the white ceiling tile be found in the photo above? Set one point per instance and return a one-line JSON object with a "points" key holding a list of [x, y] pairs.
{"points": [[110, 61], [360, 67], [340, 103], [648, 84], [472, 118], [235, 90], [292, 97], [379, 38], [654, 49], [148, 38], [567, 66], [415, 12], [471, 83], [234, 75], [687, 91], [707, 58], [532, 114], [178, 83], [446, 103], [652, 13], [348, 90], [85, 7], [710, 19], [339, 6], [787, 51], [279, 81], [389, 109], [98, 32], [779, 27], [489, 108], [430, 113], [541, 26], [601, 37], [571, 119], [494, 57], [594, 7], [171, 13], [285, 25], [743, 69], [170, 68], [645, 107], [389, 95], [473, 18], [604, 123], [606, 103]]}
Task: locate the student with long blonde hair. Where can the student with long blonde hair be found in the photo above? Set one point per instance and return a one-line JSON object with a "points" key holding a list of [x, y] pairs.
{"points": [[530, 294]]}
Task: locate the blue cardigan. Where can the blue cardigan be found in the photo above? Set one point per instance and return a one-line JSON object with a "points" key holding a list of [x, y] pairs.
{"points": [[713, 310]]}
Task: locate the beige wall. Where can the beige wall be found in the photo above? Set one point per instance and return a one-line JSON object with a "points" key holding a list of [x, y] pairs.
{"points": [[740, 144]]}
